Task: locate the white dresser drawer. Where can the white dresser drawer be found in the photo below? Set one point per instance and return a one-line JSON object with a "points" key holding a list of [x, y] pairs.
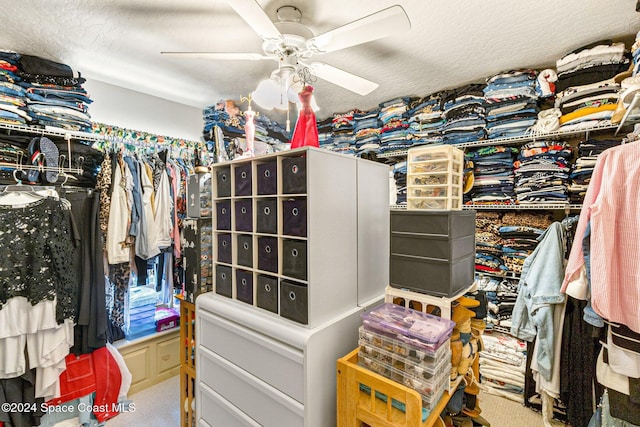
{"points": [[274, 362], [217, 412], [260, 401]]}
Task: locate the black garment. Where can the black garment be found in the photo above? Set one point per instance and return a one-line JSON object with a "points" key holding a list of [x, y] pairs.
{"points": [[626, 407], [21, 391], [119, 280], [37, 65], [90, 331]]}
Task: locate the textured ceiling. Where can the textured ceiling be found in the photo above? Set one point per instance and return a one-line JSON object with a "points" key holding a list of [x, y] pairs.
{"points": [[450, 43]]}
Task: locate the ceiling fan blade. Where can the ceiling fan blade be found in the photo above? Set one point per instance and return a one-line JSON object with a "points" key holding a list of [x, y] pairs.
{"points": [[252, 13], [342, 78], [219, 55], [384, 23]]}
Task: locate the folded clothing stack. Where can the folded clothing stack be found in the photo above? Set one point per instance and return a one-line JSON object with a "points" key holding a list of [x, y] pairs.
{"points": [[426, 119], [465, 114], [325, 138], [489, 243], [503, 363], [493, 174], [13, 102], [501, 296], [519, 232], [581, 170], [511, 103], [342, 133], [588, 104], [367, 131], [400, 176], [542, 172], [394, 131]]}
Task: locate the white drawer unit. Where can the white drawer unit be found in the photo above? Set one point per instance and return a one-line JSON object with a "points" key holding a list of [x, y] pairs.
{"points": [[253, 368]]}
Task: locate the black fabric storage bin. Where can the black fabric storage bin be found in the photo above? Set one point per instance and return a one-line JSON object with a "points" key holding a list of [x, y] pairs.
{"points": [[267, 293], [294, 303], [223, 215], [244, 215], [294, 175], [223, 280], [437, 223], [245, 250], [294, 258], [294, 217], [438, 247], [432, 276], [223, 175], [267, 177], [242, 174], [268, 254], [267, 216], [244, 286], [224, 248]]}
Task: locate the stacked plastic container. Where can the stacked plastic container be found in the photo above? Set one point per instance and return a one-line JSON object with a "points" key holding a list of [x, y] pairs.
{"points": [[409, 347], [434, 177]]}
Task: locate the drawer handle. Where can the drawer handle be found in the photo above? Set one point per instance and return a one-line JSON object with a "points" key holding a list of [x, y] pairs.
{"points": [[267, 249], [224, 211], [243, 210], [243, 174], [165, 357], [292, 295], [267, 173], [267, 210], [295, 211], [245, 245], [223, 177], [267, 287], [294, 168], [294, 252], [223, 275], [224, 243], [244, 282]]}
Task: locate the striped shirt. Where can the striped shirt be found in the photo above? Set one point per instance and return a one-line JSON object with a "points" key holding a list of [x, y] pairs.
{"points": [[612, 205]]}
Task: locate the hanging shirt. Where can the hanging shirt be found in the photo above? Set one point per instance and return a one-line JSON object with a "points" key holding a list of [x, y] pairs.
{"points": [[612, 204], [119, 217]]}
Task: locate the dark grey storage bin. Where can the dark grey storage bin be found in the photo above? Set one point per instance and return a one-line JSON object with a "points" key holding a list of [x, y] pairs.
{"points": [[223, 179], [432, 276], [267, 178], [294, 217], [224, 281], [267, 216], [245, 250], [437, 223], [244, 286], [268, 254], [193, 196], [223, 215], [294, 175], [294, 258], [267, 293], [224, 248], [242, 173], [443, 248], [294, 303], [244, 215]]}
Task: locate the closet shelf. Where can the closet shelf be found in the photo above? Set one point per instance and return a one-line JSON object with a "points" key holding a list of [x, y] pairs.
{"points": [[59, 169], [522, 206], [50, 132], [512, 140]]}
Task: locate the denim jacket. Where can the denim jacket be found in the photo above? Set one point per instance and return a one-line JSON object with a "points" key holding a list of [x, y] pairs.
{"points": [[538, 291]]}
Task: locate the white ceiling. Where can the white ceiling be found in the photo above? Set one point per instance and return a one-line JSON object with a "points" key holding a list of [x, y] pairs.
{"points": [[450, 43]]}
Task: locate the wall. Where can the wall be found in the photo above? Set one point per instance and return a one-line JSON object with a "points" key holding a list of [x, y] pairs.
{"points": [[126, 108]]}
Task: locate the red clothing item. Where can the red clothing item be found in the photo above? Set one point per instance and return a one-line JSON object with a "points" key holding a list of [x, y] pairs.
{"points": [[306, 131]]}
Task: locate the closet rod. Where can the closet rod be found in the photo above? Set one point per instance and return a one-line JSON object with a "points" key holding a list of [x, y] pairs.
{"points": [[49, 132]]}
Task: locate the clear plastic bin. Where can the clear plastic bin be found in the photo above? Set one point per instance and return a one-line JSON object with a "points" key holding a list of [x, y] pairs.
{"points": [[431, 167], [439, 203], [431, 153], [434, 191], [403, 349]]}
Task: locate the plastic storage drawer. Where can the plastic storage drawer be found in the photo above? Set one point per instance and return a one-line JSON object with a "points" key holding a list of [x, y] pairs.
{"points": [[244, 286], [442, 248], [244, 215], [267, 293], [294, 258], [267, 178], [294, 217], [434, 203], [294, 175], [267, 216], [245, 250], [224, 248], [294, 301], [243, 175], [413, 351], [449, 224], [223, 215], [223, 181], [224, 281], [268, 254]]}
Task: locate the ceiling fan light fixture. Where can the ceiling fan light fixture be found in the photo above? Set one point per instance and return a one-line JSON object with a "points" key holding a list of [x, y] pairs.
{"points": [[266, 94]]}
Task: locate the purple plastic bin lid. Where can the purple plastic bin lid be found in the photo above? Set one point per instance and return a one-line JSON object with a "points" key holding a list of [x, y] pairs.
{"points": [[409, 323]]}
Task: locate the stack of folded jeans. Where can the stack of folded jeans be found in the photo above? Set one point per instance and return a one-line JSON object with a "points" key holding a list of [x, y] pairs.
{"points": [[216, 115], [426, 120], [367, 131], [542, 172], [519, 233], [590, 64], [270, 133], [581, 170], [342, 133], [54, 94], [465, 115], [325, 137], [394, 132], [587, 104], [493, 174], [511, 103], [489, 244], [13, 104], [400, 176]]}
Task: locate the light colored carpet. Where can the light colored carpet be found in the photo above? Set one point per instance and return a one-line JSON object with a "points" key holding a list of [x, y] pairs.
{"points": [[502, 412], [156, 406]]}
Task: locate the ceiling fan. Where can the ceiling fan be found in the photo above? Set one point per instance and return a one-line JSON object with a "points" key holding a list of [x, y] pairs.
{"points": [[291, 43]]}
